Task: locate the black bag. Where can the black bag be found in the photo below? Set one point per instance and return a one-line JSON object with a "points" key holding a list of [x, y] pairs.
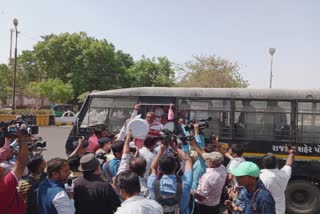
{"points": [[32, 193]]}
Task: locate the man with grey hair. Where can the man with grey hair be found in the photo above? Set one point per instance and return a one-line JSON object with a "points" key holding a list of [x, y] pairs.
{"points": [[211, 183]]}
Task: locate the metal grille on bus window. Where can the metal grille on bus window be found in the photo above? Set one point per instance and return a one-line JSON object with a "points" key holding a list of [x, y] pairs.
{"points": [[268, 120], [308, 107], [218, 110], [308, 128]]}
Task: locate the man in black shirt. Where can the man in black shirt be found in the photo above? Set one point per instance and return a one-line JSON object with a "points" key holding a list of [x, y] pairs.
{"points": [[91, 193]]}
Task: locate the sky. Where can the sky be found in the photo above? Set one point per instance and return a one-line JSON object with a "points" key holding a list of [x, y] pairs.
{"points": [[241, 31]]}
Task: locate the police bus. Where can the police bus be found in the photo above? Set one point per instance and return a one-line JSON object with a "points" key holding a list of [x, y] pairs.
{"points": [[262, 120]]}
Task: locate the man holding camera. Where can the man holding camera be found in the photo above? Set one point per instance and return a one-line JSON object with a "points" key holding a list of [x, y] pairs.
{"points": [[171, 191], [11, 201]]}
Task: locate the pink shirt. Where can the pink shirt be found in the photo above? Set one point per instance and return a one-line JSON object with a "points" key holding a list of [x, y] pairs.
{"points": [[93, 144], [211, 184]]}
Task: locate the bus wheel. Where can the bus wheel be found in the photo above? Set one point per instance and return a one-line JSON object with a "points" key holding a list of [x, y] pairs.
{"points": [[302, 197]]}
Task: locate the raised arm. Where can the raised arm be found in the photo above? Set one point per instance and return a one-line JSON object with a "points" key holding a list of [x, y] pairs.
{"points": [[183, 156], [291, 157], [22, 157], [126, 147], [155, 162], [79, 146], [222, 150]]}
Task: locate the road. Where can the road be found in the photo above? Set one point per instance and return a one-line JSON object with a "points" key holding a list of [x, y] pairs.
{"points": [[55, 136]]}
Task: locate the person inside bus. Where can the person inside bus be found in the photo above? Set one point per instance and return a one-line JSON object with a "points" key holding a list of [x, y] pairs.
{"points": [[165, 123], [276, 120], [247, 120]]}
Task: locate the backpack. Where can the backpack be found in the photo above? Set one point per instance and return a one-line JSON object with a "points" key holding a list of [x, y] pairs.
{"points": [[32, 193], [254, 197], [170, 204], [106, 172]]}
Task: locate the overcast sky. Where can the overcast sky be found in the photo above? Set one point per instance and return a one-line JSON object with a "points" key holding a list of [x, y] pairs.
{"points": [[241, 31]]}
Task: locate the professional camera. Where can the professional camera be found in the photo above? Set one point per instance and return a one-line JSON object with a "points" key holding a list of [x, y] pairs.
{"points": [[38, 144], [203, 124], [34, 145], [167, 137], [101, 156], [14, 127]]}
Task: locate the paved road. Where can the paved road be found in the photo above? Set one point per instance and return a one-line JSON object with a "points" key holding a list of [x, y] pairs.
{"points": [[56, 137]]}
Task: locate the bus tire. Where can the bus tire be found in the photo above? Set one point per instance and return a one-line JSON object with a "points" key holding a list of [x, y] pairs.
{"points": [[302, 197]]}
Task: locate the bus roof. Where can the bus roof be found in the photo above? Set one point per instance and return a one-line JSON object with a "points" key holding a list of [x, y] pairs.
{"points": [[241, 93]]}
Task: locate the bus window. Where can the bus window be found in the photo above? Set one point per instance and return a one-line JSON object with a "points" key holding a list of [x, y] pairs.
{"points": [[267, 120], [109, 112], [217, 110], [308, 122]]}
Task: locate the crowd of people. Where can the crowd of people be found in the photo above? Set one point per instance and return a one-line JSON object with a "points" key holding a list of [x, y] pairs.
{"points": [[117, 174]]}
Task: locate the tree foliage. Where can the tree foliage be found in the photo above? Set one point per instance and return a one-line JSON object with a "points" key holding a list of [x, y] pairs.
{"points": [[5, 82], [84, 62], [211, 72], [54, 89], [151, 72]]}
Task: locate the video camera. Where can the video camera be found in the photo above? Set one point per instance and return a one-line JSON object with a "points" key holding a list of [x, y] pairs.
{"points": [[33, 145], [14, 127], [167, 137], [203, 124], [102, 156]]}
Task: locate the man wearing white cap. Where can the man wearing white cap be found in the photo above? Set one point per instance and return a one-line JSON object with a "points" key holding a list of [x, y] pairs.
{"points": [[211, 182]]}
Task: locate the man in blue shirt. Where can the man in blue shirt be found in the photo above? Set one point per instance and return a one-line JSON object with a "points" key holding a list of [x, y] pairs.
{"points": [[253, 197], [168, 181]]}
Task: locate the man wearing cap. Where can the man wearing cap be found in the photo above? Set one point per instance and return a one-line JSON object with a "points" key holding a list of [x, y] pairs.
{"points": [[254, 197], [91, 193], [105, 148], [211, 183]]}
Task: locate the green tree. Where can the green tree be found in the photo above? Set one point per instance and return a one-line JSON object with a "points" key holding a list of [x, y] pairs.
{"points": [[5, 83], [84, 62], [28, 69], [34, 91], [54, 89], [211, 72], [151, 72]]}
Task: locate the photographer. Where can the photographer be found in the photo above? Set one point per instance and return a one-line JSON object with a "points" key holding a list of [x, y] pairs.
{"points": [[9, 162], [11, 201], [172, 191]]}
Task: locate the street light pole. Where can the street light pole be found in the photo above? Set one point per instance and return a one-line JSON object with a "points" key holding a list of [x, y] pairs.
{"points": [[15, 23], [10, 54], [271, 51]]}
